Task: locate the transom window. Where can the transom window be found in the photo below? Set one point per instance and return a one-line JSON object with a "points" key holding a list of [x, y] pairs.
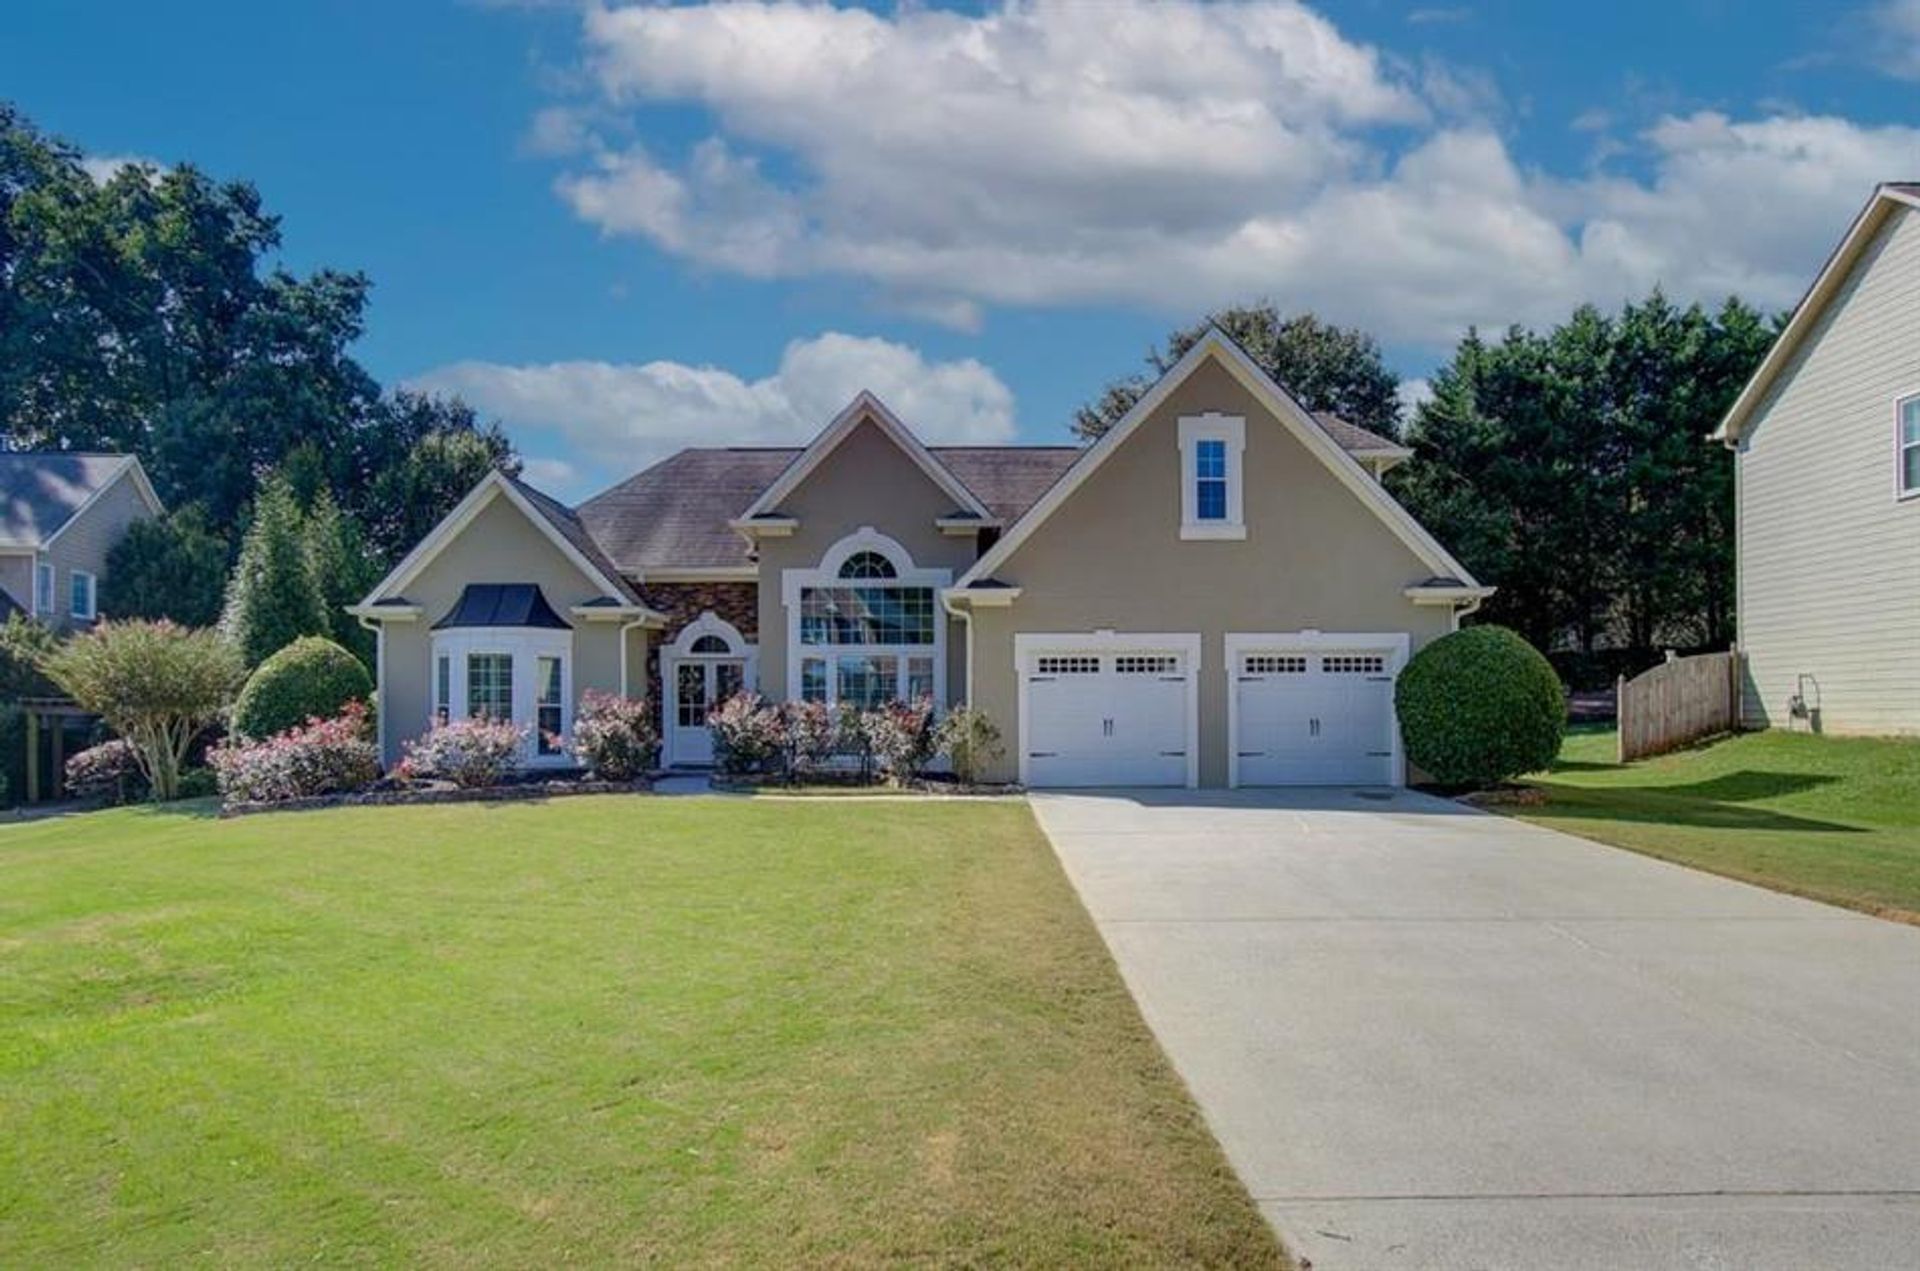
{"points": [[1909, 439], [709, 644], [868, 565]]}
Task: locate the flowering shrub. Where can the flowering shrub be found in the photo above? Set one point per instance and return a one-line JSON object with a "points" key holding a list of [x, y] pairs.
{"points": [[810, 735], [971, 742], [109, 771], [747, 733], [614, 736], [322, 756], [902, 737], [467, 752], [853, 738]]}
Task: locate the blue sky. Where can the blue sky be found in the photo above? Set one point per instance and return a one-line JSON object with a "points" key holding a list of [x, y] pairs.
{"points": [[624, 230]]}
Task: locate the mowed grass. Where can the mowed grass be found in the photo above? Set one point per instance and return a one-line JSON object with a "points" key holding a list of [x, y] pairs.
{"points": [[674, 1031], [1833, 818]]}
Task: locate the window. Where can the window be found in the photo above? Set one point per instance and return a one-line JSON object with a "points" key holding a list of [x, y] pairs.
{"points": [[80, 595], [1276, 664], [709, 644], [1211, 448], [867, 682], [1909, 441], [1067, 665], [43, 588], [1354, 664], [442, 687], [868, 565], [490, 686], [866, 615], [690, 702], [1147, 664], [813, 679], [919, 678], [548, 711]]}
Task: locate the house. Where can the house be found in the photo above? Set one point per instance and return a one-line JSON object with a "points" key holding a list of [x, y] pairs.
{"points": [[1826, 453], [60, 514], [1218, 592]]}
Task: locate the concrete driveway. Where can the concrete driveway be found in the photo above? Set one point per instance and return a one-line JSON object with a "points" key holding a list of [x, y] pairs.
{"points": [[1429, 1037]]}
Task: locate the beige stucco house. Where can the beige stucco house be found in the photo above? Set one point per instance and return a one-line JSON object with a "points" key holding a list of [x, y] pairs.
{"points": [[60, 514], [1219, 592], [1826, 442]]}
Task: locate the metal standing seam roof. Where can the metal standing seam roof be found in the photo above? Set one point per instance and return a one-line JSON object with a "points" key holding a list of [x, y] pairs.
{"points": [[675, 514], [41, 490], [502, 605]]}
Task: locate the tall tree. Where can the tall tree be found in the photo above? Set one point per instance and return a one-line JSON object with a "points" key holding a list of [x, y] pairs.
{"points": [[343, 569], [447, 458], [275, 596], [1327, 367], [173, 566]]}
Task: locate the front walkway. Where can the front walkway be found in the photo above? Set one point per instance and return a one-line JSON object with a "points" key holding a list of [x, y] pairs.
{"points": [[1429, 1037]]}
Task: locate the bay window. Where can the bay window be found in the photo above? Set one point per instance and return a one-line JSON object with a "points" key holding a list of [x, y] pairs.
{"points": [[517, 675]]}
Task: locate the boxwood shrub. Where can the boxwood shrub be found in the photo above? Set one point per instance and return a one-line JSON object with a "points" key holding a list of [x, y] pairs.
{"points": [[312, 678], [1479, 707]]}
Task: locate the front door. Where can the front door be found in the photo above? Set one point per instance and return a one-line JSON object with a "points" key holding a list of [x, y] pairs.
{"points": [[700, 685]]}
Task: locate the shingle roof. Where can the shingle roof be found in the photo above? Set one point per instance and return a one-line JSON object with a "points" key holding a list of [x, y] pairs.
{"points": [[675, 514], [40, 491], [567, 521]]}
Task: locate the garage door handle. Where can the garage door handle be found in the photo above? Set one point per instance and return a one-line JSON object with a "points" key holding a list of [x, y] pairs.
{"points": [[1043, 754], [1251, 754], [1173, 679], [1381, 679], [1173, 754], [1041, 679], [1379, 754]]}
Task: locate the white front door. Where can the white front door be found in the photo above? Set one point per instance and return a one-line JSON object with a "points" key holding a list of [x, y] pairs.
{"points": [[1314, 715], [699, 685], [1108, 716]]}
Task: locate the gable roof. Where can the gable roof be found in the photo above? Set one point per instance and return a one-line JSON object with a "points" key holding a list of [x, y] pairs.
{"points": [[1887, 198], [1301, 422], [546, 514], [864, 408], [43, 492]]}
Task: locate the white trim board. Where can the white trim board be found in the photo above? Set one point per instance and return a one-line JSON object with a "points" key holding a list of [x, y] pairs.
{"points": [[1030, 644], [827, 574], [1839, 266], [864, 407], [141, 485], [1397, 645], [1282, 406]]}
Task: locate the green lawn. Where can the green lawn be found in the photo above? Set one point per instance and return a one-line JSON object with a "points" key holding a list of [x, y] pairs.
{"points": [[681, 1031], [1834, 818]]}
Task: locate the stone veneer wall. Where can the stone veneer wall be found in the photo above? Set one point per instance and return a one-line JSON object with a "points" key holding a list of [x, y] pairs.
{"points": [[736, 602]]}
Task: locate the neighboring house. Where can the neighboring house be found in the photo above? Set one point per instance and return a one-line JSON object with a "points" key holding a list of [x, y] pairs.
{"points": [[1826, 441], [1217, 592], [60, 514]]}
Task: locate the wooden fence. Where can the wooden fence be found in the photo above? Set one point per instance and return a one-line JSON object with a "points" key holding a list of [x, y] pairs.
{"points": [[1679, 701]]}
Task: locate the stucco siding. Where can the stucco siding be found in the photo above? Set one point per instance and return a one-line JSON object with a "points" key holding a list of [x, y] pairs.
{"points": [[864, 481], [1829, 556], [84, 542], [500, 545], [1111, 557]]}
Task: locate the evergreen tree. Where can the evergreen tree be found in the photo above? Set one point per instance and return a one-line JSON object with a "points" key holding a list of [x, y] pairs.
{"points": [[343, 570], [275, 595], [173, 566]]}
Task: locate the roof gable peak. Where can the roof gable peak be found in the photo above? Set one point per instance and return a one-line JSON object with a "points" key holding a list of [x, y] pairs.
{"points": [[866, 407]]}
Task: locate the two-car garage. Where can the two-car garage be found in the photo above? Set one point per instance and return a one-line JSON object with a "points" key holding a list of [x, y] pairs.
{"points": [[1124, 709]]}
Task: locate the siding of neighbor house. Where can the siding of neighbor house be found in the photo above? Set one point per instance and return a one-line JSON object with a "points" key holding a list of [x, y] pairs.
{"points": [[84, 543], [500, 545], [1111, 556], [16, 575], [864, 481], [1829, 557]]}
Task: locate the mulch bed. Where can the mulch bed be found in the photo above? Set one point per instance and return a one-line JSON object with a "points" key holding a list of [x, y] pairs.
{"points": [[443, 792], [836, 782]]}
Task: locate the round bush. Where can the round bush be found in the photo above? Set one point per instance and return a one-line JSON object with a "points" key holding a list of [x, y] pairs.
{"points": [[310, 678], [1480, 706]]}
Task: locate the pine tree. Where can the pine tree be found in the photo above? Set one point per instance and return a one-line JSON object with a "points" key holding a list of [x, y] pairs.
{"points": [[275, 595], [343, 569]]}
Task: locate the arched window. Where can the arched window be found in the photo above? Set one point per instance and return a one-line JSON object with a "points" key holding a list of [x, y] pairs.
{"points": [[868, 565], [709, 644]]}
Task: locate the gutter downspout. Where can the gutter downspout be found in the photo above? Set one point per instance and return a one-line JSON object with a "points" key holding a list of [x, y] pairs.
{"points": [[965, 614], [625, 681], [1467, 609], [379, 630]]}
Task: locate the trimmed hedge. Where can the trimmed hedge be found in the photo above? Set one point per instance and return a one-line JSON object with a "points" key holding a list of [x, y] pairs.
{"points": [[312, 678], [1479, 707]]}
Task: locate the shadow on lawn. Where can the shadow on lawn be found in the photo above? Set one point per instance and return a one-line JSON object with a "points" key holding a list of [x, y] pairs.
{"points": [[1714, 804]]}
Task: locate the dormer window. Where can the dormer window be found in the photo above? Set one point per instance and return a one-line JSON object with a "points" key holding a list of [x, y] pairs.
{"points": [[1212, 447]]}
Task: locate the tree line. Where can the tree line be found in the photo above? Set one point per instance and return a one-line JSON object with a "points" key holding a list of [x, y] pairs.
{"points": [[1568, 467], [143, 313]]}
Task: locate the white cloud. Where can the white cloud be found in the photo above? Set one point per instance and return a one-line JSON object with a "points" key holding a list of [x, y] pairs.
{"points": [[1896, 37], [624, 416], [1175, 157], [105, 167], [1413, 394], [549, 474]]}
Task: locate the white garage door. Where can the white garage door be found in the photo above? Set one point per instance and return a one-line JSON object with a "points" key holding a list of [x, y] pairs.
{"points": [[1314, 716], [1098, 716]]}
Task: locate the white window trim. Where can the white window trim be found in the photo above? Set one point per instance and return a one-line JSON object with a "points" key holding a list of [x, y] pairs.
{"points": [[864, 539], [1901, 491], [524, 645], [1397, 645], [1030, 645], [1212, 426], [46, 600], [92, 610], [680, 649]]}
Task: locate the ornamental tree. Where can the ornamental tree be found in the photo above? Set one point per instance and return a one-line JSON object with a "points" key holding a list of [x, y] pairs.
{"points": [[157, 684]]}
